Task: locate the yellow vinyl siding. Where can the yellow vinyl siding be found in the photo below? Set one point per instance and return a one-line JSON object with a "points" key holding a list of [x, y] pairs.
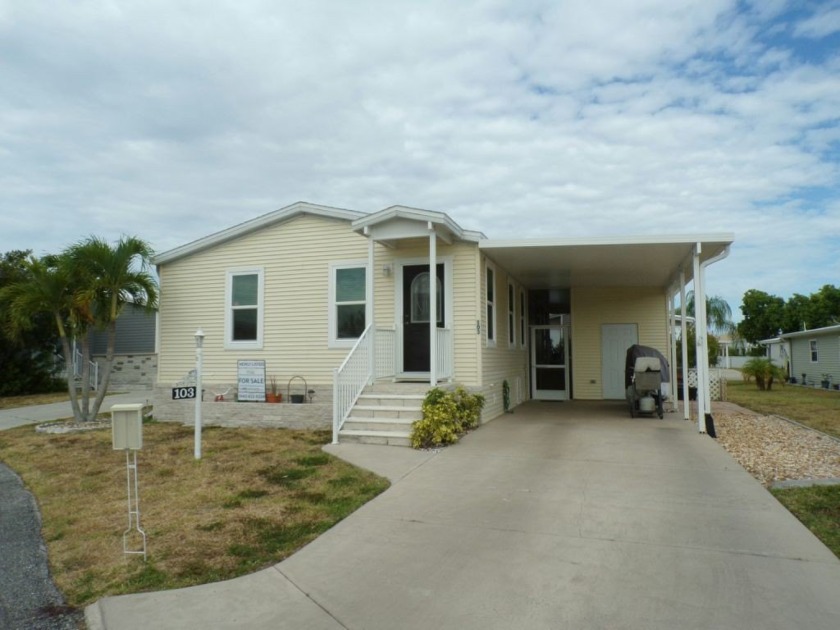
{"points": [[594, 306], [500, 362], [295, 256]]}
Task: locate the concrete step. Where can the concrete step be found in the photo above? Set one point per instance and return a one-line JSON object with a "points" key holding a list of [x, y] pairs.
{"points": [[392, 400], [383, 411], [390, 438], [390, 387], [398, 425]]}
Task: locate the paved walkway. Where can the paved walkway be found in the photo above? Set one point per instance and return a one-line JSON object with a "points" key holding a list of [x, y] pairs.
{"points": [[567, 515], [10, 418]]}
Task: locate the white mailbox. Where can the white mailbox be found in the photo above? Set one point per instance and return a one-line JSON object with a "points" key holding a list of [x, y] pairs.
{"points": [[127, 427]]}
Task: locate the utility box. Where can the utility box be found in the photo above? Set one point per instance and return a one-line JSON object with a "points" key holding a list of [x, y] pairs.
{"points": [[127, 427]]}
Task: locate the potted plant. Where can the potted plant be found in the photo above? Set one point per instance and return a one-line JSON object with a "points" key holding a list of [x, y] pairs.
{"points": [[272, 396], [826, 381]]}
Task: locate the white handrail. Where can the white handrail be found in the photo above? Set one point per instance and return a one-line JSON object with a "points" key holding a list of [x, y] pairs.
{"points": [[350, 378]]}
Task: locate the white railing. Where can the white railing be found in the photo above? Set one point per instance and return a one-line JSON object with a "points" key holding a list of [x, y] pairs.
{"points": [[350, 379], [386, 352], [444, 353], [78, 363]]}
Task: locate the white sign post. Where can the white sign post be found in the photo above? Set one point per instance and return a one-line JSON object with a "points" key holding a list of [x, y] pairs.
{"points": [[199, 340]]}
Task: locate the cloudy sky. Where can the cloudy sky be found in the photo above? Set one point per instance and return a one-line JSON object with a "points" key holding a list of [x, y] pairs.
{"points": [[170, 120]]}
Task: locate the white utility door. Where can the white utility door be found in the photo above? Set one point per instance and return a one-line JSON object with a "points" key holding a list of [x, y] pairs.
{"points": [[615, 339]]}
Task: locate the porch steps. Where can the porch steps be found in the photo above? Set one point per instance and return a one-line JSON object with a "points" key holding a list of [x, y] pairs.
{"points": [[384, 414]]}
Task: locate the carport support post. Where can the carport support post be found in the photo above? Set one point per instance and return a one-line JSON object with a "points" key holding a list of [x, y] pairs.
{"points": [[684, 347], [701, 342], [432, 305], [370, 296]]}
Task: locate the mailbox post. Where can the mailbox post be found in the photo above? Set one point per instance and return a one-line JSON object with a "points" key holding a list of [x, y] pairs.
{"points": [[127, 435]]}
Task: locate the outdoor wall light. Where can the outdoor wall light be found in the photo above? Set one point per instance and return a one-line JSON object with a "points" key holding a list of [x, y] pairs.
{"points": [[199, 338], [386, 270]]}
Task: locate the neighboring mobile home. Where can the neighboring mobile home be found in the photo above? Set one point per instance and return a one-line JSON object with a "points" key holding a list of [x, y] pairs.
{"points": [[302, 287], [815, 355]]}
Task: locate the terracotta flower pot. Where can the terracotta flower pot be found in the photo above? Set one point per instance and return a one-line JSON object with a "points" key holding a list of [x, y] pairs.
{"points": [[273, 398]]}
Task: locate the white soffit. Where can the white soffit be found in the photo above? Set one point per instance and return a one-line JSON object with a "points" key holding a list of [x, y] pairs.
{"points": [[611, 261]]}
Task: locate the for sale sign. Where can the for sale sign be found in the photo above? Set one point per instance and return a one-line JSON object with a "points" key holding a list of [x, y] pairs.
{"points": [[251, 379]]}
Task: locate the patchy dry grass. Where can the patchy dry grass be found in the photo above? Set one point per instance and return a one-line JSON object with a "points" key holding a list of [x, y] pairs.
{"points": [[255, 497], [816, 408], [13, 402]]}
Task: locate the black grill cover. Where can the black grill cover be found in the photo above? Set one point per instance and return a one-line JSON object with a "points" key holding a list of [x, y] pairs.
{"points": [[636, 351]]}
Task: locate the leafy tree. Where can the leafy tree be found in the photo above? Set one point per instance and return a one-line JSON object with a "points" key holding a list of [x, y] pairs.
{"points": [[26, 361], [87, 285], [763, 316], [824, 307], [764, 373], [796, 313]]}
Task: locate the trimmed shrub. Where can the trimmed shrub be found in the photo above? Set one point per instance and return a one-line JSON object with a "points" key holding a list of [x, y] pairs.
{"points": [[764, 373], [447, 415]]}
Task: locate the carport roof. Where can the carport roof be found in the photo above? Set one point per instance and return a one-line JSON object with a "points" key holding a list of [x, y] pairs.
{"points": [[609, 261]]}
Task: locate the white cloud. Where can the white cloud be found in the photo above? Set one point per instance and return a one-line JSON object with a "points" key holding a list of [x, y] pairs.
{"points": [[174, 120]]}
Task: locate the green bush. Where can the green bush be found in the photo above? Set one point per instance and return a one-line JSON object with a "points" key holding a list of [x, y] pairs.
{"points": [[764, 373], [446, 416]]}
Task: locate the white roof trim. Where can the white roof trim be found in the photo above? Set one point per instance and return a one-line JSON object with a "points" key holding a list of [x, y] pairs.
{"points": [[283, 214], [814, 331], [646, 239]]}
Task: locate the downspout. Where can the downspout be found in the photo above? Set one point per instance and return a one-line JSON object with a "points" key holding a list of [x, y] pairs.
{"points": [[707, 393]]}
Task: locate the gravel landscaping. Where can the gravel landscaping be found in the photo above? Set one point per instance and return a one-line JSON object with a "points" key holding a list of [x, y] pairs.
{"points": [[774, 449]]}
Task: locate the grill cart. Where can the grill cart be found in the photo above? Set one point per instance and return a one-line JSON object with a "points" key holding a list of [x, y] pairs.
{"points": [[645, 378]]}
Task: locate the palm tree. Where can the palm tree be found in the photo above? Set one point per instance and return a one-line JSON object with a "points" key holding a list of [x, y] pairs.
{"points": [[718, 313], [112, 276], [50, 288], [87, 285]]}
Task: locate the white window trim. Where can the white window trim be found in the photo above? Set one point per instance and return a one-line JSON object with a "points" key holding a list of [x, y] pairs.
{"points": [[523, 328], [490, 341], [511, 315], [815, 350], [332, 339], [257, 344]]}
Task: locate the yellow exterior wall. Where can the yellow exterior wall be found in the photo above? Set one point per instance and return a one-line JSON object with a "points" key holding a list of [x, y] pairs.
{"points": [[296, 257], [501, 362], [594, 306]]}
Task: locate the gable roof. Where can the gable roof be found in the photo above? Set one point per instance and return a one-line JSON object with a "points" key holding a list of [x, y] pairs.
{"points": [[272, 218], [444, 225]]}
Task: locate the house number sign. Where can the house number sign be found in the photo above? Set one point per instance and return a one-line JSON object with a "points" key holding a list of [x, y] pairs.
{"points": [[183, 393]]}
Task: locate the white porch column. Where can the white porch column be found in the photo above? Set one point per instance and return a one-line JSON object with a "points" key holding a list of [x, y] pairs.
{"points": [[672, 345], [684, 347], [701, 342], [432, 305], [371, 314]]}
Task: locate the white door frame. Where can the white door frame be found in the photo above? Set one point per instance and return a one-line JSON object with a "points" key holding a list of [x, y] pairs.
{"points": [[550, 394], [399, 263]]}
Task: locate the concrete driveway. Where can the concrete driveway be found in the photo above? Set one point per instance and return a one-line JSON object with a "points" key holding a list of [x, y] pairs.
{"points": [[561, 515], [19, 416]]}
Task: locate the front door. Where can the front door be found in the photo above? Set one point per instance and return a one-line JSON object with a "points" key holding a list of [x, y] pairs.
{"points": [[549, 362], [416, 313]]}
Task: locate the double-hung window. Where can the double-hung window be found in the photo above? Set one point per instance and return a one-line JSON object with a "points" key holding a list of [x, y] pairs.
{"points": [[815, 355], [522, 336], [244, 308], [348, 303], [511, 316], [490, 290]]}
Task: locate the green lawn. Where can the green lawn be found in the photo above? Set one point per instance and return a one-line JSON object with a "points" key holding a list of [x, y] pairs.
{"points": [[818, 507]]}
